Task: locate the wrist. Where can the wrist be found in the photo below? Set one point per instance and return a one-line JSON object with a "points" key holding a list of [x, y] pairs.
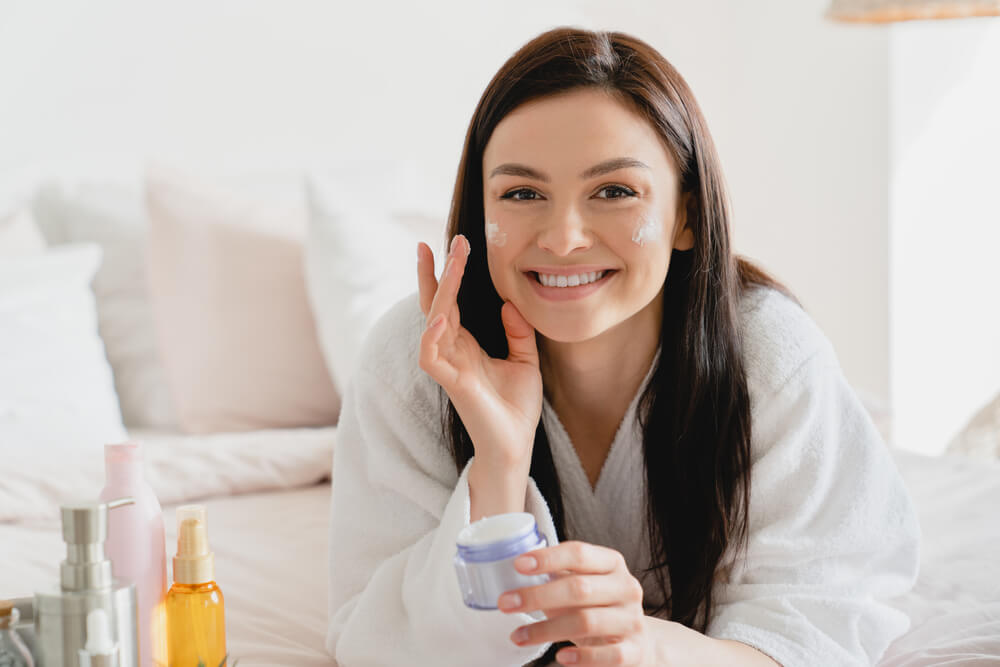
{"points": [[496, 489]]}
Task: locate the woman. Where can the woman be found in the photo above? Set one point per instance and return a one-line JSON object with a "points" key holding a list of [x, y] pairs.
{"points": [[594, 354]]}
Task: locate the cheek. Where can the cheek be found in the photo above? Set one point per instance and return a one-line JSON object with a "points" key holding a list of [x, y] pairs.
{"points": [[499, 250], [495, 234], [647, 229]]}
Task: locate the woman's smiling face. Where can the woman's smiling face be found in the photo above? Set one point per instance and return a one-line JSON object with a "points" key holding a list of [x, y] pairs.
{"points": [[578, 187]]}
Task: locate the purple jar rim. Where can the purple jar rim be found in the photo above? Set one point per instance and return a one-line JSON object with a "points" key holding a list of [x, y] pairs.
{"points": [[515, 545]]}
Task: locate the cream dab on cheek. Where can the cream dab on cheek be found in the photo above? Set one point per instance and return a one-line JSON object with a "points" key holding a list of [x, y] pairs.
{"points": [[647, 230], [494, 235]]}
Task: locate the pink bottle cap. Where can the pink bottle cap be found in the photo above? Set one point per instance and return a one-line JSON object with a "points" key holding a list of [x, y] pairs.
{"points": [[123, 452]]}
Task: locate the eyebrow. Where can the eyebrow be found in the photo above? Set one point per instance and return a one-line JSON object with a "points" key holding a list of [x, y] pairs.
{"points": [[614, 164]]}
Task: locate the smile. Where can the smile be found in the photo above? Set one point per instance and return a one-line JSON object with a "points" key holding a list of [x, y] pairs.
{"points": [[552, 280], [562, 287]]}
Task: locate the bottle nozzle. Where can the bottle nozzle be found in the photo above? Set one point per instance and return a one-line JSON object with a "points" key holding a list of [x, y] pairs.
{"points": [[194, 563], [84, 529]]}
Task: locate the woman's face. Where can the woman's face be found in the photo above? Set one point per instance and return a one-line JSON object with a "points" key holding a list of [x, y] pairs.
{"points": [[578, 187]]}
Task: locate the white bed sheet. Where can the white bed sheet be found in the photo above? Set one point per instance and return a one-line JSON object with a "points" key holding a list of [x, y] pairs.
{"points": [[954, 607], [271, 563]]}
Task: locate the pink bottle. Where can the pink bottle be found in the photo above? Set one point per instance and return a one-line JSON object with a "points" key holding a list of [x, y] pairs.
{"points": [[136, 546]]}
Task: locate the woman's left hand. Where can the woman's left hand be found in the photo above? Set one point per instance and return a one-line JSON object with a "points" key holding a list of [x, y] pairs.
{"points": [[592, 600]]}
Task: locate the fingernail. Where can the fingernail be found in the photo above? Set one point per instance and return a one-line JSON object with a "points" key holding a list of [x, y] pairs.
{"points": [[526, 563], [454, 240], [418, 252], [437, 320], [568, 656], [510, 601], [520, 635]]}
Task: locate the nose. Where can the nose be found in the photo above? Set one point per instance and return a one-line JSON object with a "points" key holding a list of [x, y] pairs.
{"points": [[564, 231]]}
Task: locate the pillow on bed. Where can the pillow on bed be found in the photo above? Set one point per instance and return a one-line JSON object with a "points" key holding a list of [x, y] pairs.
{"points": [[361, 258], [56, 389], [112, 214], [233, 322]]}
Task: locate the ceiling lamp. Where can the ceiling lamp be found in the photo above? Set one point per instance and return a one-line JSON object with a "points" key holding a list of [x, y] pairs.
{"points": [[889, 11]]}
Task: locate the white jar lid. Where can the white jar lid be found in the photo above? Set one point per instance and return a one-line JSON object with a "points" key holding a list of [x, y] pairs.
{"points": [[496, 528]]}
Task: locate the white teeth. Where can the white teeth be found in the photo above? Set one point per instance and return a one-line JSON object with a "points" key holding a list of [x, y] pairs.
{"points": [[569, 281]]}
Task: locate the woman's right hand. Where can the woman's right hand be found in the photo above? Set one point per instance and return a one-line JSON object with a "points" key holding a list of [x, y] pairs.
{"points": [[499, 400]]}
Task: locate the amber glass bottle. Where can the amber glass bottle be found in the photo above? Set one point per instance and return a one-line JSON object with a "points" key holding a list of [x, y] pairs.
{"points": [[196, 617]]}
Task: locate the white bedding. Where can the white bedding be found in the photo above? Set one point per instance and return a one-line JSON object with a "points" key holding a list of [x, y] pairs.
{"points": [[179, 467], [271, 560], [955, 606]]}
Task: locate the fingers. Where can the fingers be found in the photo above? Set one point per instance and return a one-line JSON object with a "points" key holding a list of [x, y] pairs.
{"points": [[431, 360], [425, 276], [578, 590], [610, 624], [439, 301], [520, 335], [579, 557], [445, 299]]}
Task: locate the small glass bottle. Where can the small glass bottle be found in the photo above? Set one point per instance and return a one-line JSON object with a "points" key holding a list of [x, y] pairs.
{"points": [[196, 623], [484, 561], [13, 652]]}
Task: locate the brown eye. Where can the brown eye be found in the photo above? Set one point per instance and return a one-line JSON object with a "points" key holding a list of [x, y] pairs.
{"points": [[512, 195], [619, 192]]}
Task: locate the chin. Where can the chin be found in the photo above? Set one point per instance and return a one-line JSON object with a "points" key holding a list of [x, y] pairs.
{"points": [[567, 330]]}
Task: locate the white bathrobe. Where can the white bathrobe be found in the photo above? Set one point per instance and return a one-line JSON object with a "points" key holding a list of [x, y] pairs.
{"points": [[833, 533]]}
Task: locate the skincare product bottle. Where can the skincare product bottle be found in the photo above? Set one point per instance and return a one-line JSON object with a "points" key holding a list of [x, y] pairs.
{"points": [[13, 651], [484, 561], [136, 545], [196, 623], [85, 584], [100, 650]]}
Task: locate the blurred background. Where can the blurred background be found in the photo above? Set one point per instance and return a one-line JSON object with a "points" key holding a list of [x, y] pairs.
{"points": [[863, 159]]}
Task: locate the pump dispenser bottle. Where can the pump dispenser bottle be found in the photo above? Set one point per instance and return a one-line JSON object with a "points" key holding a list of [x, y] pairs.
{"points": [[85, 584], [196, 625]]}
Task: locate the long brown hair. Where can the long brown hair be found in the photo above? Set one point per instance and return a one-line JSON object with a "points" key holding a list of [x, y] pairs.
{"points": [[695, 411]]}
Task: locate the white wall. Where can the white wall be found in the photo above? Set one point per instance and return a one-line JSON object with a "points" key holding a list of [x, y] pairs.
{"points": [[945, 227], [798, 107]]}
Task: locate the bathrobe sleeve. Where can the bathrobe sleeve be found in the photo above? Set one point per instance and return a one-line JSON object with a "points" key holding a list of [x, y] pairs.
{"points": [[398, 505], [832, 529]]}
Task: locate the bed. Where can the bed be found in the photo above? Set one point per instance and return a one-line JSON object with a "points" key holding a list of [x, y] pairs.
{"points": [[276, 604]]}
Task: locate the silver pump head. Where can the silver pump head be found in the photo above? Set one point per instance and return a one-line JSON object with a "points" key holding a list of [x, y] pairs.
{"points": [[85, 528]]}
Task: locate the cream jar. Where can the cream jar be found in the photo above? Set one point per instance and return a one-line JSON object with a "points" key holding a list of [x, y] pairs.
{"points": [[484, 560]]}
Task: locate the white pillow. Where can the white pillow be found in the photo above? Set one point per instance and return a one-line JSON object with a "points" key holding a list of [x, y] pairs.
{"points": [[56, 391], [360, 259], [113, 215]]}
